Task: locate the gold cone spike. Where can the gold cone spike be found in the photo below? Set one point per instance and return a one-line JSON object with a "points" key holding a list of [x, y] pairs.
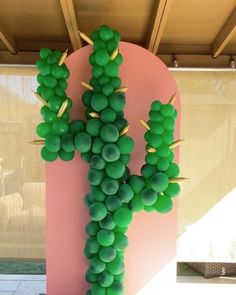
{"points": [[145, 124], [172, 99], [122, 89], [38, 142], [124, 130], [63, 57], [177, 179], [40, 98], [94, 115], [151, 150], [86, 38], [62, 108], [86, 85], [114, 54], [176, 143]]}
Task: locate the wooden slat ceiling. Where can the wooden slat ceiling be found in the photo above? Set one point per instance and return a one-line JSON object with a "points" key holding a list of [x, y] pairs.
{"points": [[192, 30]]}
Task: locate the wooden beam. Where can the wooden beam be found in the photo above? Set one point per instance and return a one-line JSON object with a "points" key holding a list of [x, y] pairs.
{"points": [[161, 15], [29, 45], [225, 34], [7, 39], [21, 58], [71, 19]]}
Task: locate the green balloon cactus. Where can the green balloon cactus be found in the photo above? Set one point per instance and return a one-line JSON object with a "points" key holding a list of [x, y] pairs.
{"points": [[102, 140]]}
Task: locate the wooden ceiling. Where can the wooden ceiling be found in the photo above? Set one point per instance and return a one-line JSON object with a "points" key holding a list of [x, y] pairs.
{"points": [[198, 33]]}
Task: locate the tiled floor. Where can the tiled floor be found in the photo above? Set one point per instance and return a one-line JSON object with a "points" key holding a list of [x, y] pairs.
{"points": [[22, 284]]}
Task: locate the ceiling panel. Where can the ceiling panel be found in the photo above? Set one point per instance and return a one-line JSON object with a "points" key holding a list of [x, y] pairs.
{"points": [[196, 21]]}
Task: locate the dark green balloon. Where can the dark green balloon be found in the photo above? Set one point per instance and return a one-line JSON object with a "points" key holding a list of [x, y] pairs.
{"points": [[105, 279], [110, 152], [95, 176], [116, 266], [97, 71], [76, 126], [111, 45], [106, 33], [99, 44], [83, 142], [104, 79], [45, 52], [168, 123], [48, 115], [159, 182], [57, 72], [111, 69], [115, 169], [116, 101], [60, 127], [155, 116], [120, 123], [98, 290], [91, 277], [125, 192], [151, 158], [66, 156], [136, 205], [107, 89], [55, 103], [156, 105], [115, 82], [113, 203], [46, 93], [50, 81], [53, 143], [119, 59], [62, 83], [173, 170], [97, 162], [97, 211], [172, 190], [125, 144], [107, 222], [109, 133], [122, 217], [93, 127], [125, 159], [99, 102], [44, 129], [86, 156], [92, 228], [121, 242], [109, 186], [163, 164], [105, 237], [108, 115], [154, 140], [116, 289], [163, 204], [67, 142], [86, 97], [47, 155], [168, 137], [96, 194], [148, 170], [92, 59], [40, 79], [101, 57], [156, 127], [96, 265], [163, 151], [92, 245], [148, 196], [97, 145], [167, 110]]}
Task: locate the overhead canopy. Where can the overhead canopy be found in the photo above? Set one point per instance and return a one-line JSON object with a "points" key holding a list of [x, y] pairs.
{"points": [[198, 33]]}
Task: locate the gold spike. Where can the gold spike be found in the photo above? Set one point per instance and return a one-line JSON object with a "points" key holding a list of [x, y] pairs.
{"points": [[176, 143], [151, 150], [172, 99], [94, 115], [145, 124], [40, 98], [114, 54], [177, 179], [63, 57], [86, 38], [124, 130], [122, 89], [86, 85], [38, 142], [62, 108]]}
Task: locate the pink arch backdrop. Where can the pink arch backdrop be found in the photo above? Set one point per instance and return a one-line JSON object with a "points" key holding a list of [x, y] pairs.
{"points": [[152, 237]]}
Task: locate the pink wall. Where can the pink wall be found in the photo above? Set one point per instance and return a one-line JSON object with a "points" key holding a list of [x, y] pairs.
{"points": [[152, 236]]}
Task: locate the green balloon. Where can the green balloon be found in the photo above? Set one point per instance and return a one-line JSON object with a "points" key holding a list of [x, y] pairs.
{"points": [[120, 277], [45, 69], [50, 81], [116, 101], [120, 123], [47, 155], [44, 129], [163, 204], [167, 110], [109, 133], [76, 126], [97, 71], [116, 266], [86, 97], [154, 140], [111, 45], [151, 158], [86, 156], [163, 164], [149, 208], [60, 127], [96, 265], [106, 33], [148, 170], [92, 245], [67, 142], [91, 277], [108, 115], [92, 228], [98, 290], [101, 57], [97, 162], [105, 237], [159, 182], [96, 194], [109, 186], [95, 176], [97, 145], [93, 127], [155, 116], [115, 82], [107, 222], [168, 137], [107, 89], [104, 79], [105, 279], [172, 190], [46, 93], [119, 59], [122, 217], [125, 159], [97, 211], [121, 242], [115, 169], [110, 152], [156, 127], [83, 142], [57, 72], [113, 203], [99, 44], [66, 156], [48, 116], [107, 254], [125, 144], [163, 151], [52, 60], [121, 229], [92, 59], [53, 143], [55, 103], [171, 156], [99, 102], [148, 197], [63, 83], [173, 170], [168, 123], [125, 192], [156, 105], [136, 205], [40, 79], [116, 289], [45, 52], [111, 69]]}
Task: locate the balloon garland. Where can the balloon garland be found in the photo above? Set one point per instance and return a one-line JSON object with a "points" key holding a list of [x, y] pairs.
{"points": [[104, 144]]}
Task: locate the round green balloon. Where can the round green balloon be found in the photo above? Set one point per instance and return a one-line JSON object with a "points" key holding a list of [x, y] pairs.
{"points": [[45, 52], [96, 194], [109, 133], [60, 126], [125, 192], [136, 205], [86, 97], [121, 242], [92, 228], [105, 279], [163, 151], [115, 169], [50, 81], [99, 102], [101, 57], [92, 245], [97, 162], [167, 110], [156, 105], [155, 116], [116, 266], [159, 182], [97, 211], [105, 237], [122, 217], [111, 69], [93, 127], [167, 137], [168, 123], [148, 170], [137, 183], [66, 156], [67, 142], [116, 288], [113, 203], [43, 129], [116, 101], [163, 204], [163, 164], [76, 126], [110, 152], [156, 127], [172, 190], [107, 254], [108, 115], [95, 176], [173, 170], [151, 158], [107, 89], [91, 277], [109, 186], [53, 143], [115, 82], [154, 140], [107, 222], [55, 103], [106, 33], [47, 155], [125, 144], [98, 290], [83, 142], [148, 197], [97, 145], [97, 71]]}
